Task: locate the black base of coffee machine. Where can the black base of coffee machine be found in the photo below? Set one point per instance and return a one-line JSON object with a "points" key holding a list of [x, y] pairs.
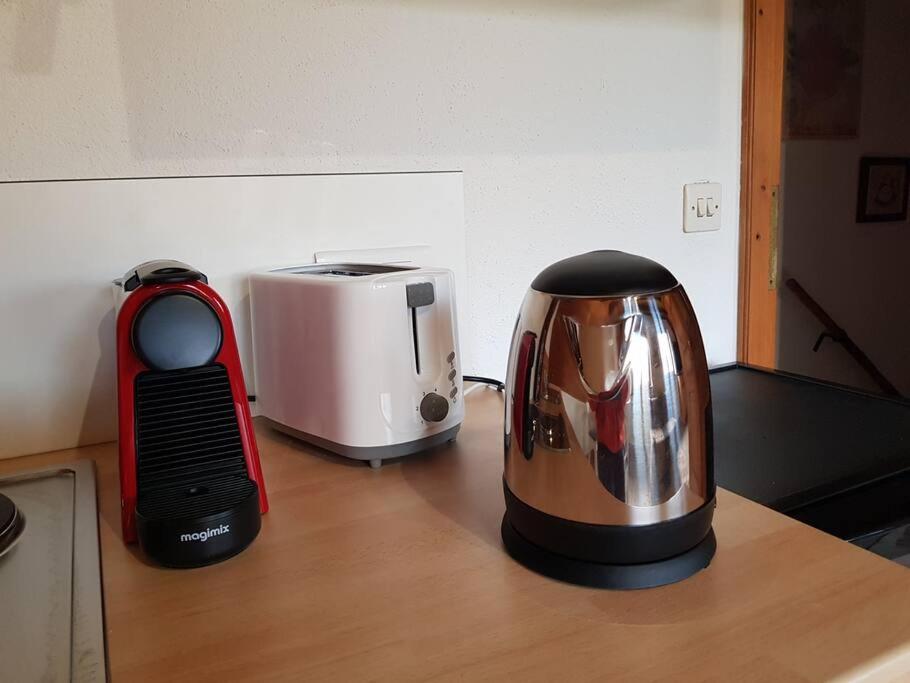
{"points": [[184, 527], [604, 556]]}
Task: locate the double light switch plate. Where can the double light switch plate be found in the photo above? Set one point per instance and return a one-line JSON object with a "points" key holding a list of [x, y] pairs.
{"points": [[701, 207]]}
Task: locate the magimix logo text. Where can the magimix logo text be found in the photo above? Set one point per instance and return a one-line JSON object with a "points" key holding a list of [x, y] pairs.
{"points": [[205, 535]]}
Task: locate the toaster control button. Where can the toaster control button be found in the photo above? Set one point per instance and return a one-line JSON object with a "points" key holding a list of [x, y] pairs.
{"points": [[452, 375], [451, 357], [434, 408], [453, 392]]}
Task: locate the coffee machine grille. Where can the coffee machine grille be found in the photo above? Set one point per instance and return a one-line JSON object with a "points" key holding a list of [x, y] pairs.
{"points": [[190, 466], [187, 429]]}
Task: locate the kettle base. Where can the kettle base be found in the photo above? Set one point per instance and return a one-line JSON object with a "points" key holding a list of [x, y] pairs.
{"points": [[611, 576]]}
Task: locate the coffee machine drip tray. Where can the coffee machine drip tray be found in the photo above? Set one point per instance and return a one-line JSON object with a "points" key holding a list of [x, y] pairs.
{"points": [[50, 576]]}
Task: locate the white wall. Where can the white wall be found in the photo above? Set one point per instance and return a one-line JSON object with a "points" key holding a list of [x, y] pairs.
{"points": [[575, 123], [70, 239], [856, 271]]}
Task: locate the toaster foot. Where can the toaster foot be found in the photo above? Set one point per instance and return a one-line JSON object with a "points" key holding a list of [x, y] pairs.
{"points": [[376, 463], [613, 576]]}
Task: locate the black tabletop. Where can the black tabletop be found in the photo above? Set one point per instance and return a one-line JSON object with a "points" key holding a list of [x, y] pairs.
{"points": [[787, 441]]}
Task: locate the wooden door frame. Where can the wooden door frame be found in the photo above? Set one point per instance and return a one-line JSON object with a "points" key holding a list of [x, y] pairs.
{"points": [[763, 81]]}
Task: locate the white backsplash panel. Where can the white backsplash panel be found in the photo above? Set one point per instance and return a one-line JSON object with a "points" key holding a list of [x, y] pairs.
{"points": [[61, 243]]}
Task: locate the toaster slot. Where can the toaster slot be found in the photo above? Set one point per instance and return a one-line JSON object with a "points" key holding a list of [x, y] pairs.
{"points": [[416, 339], [343, 269], [418, 295]]}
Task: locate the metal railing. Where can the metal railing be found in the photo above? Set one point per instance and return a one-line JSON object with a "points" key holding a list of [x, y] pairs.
{"points": [[836, 333]]}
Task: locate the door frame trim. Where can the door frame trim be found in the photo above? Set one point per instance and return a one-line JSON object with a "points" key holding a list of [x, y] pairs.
{"points": [[764, 47]]}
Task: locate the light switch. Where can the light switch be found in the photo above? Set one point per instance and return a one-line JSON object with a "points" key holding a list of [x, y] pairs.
{"points": [[701, 207]]}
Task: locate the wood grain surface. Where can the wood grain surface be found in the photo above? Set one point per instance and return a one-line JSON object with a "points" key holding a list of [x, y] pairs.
{"points": [[765, 34], [399, 574]]}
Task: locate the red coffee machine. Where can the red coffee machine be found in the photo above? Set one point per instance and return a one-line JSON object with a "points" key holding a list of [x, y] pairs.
{"points": [[190, 479]]}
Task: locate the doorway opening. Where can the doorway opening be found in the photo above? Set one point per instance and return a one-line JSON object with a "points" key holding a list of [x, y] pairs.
{"points": [[826, 166]]}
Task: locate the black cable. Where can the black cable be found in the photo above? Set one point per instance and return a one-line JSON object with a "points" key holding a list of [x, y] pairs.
{"points": [[485, 380]]}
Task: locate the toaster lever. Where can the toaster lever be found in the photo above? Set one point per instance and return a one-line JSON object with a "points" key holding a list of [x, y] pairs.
{"points": [[420, 294]]}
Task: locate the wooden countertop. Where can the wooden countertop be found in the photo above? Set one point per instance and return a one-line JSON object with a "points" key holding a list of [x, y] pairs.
{"points": [[399, 574]]}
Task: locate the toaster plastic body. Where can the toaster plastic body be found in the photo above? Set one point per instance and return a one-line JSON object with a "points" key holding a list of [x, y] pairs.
{"points": [[359, 359]]}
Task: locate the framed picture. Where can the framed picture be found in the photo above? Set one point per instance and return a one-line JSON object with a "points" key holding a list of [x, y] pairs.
{"points": [[823, 75], [883, 183]]}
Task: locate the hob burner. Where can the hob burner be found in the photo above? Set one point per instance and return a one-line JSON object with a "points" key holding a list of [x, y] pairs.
{"points": [[12, 523]]}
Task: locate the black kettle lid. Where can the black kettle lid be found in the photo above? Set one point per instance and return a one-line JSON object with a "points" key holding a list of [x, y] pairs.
{"points": [[604, 273]]}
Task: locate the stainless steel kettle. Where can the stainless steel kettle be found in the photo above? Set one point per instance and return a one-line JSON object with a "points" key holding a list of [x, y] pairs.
{"points": [[609, 477]]}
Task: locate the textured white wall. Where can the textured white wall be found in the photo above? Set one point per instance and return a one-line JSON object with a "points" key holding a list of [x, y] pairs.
{"points": [[854, 270], [67, 240], [576, 123]]}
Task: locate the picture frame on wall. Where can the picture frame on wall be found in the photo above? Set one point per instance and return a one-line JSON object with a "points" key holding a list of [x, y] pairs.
{"points": [[883, 185], [823, 69]]}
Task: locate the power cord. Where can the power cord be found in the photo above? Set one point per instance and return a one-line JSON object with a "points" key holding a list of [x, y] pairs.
{"points": [[495, 383]]}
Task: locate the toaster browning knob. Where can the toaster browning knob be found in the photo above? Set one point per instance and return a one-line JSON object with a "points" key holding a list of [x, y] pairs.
{"points": [[434, 408]]}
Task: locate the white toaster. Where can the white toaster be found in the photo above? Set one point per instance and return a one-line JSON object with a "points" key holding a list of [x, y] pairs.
{"points": [[359, 359]]}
